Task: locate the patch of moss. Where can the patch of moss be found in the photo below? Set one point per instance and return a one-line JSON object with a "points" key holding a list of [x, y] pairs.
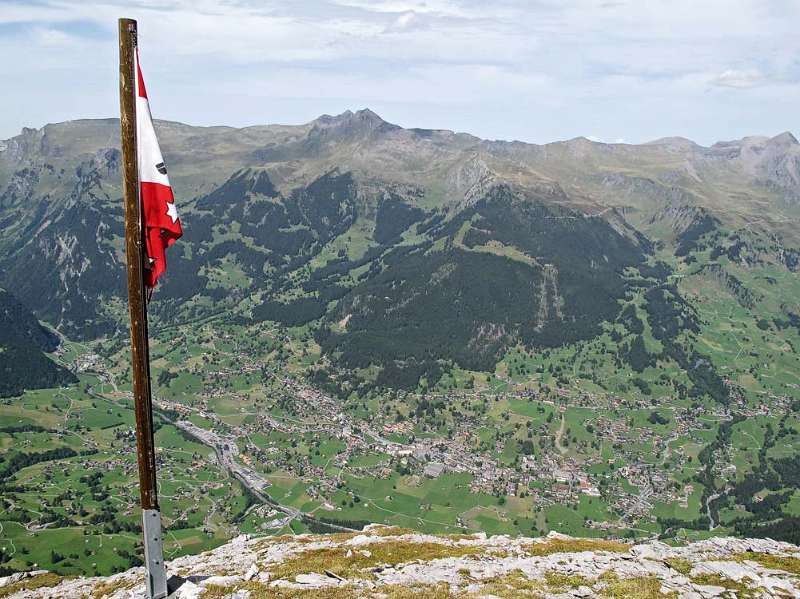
{"points": [[361, 559], [551, 546], [561, 582], [215, 591], [107, 588], [773, 562], [741, 590], [512, 585], [679, 564], [337, 537], [48, 579], [439, 591], [390, 531], [642, 587]]}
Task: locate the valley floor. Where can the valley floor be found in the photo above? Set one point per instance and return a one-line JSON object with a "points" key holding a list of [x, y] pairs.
{"points": [[248, 445]]}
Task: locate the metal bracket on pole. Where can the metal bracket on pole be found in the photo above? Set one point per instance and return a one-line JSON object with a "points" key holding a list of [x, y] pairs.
{"points": [[154, 555]]}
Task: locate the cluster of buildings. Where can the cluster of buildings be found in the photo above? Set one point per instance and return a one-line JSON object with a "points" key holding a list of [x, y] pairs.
{"points": [[550, 475]]}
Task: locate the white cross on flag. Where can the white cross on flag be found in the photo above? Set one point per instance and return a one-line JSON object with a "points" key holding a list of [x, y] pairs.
{"points": [[159, 215]]}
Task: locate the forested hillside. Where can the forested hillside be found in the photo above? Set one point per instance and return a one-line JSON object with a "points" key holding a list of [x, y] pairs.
{"points": [[413, 252], [23, 346]]}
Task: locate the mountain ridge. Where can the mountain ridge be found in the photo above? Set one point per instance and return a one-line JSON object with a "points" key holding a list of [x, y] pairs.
{"points": [[763, 167], [368, 115], [396, 563], [348, 192]]}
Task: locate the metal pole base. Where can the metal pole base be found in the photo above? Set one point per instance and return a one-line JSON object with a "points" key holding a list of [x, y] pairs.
{"points": [[154, 555]]}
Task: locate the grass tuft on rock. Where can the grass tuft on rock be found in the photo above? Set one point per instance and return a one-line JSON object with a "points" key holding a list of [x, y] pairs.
{"points": [[389, 531], [355, 562], [679, 564], [642, 587], [773, 562], [551, 546], [512, 585], [48, 579], [263, 591], [106, 589], [559, 582], [740, 589]]}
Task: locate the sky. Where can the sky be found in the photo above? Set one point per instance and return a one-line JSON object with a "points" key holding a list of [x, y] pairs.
{"points": [[537, 71]]}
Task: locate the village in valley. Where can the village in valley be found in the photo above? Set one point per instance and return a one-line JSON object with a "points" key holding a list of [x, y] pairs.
{"points": [[247, 442], [615, 463]]}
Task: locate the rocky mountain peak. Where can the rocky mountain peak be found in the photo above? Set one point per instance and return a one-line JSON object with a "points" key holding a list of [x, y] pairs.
{"points": [[349, 125], [394, 563], [674, 143], [784, 140], [365, 114], [364, 120], [758, 143]]}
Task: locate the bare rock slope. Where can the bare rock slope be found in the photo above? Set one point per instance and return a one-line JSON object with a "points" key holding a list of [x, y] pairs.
{"points": [[394, 563]]}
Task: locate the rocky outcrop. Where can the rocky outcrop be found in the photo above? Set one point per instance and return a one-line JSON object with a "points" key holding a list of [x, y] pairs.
{"points": [[731, 284], [394, 563], [773, 162]]}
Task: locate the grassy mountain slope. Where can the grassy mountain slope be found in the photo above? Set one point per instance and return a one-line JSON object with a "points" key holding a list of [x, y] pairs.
{"points": [[415, 251]]}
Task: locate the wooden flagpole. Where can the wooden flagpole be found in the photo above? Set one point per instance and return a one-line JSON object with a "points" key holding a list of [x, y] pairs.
{"points": [[140, 353]]}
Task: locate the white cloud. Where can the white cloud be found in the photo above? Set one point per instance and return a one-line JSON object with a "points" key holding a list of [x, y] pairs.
{"points": [[530, 69], [739, 78], [435, 7], [53, 38], [406, 20]]}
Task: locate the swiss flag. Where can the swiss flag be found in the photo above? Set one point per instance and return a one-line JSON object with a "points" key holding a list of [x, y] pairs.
{"points": [[159, 215]]}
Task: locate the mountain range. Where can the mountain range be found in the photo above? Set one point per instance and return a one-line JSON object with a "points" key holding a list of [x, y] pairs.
{"points": [[411, 253]]}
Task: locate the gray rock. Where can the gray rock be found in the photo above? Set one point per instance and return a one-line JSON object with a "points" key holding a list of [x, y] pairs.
{"points": [[12, 579], [316, 580], [583, 592], [223, 581], [654, 550], [189, 590], [251, 573], [709, 590]]}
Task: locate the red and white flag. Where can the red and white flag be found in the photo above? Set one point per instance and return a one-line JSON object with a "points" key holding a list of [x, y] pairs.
{"points": [[162, 227]]}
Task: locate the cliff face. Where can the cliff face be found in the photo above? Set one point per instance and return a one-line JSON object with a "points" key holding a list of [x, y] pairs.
{"points": [[393, 563]]}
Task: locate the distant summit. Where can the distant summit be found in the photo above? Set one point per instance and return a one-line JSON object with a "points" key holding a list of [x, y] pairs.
{"points": [[365, 115], [678, 143], [785, 139], [351, 124]]}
